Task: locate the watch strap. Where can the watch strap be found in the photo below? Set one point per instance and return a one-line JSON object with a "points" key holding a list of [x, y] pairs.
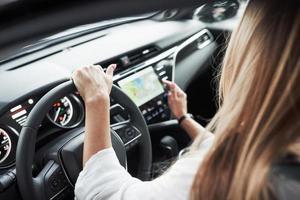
{"points": [[183, 117]]}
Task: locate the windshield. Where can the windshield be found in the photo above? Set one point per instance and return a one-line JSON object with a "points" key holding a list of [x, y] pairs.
{"points": [[74, 33]]}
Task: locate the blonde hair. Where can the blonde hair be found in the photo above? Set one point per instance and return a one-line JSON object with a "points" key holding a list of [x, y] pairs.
{"points": [[258, 122]]}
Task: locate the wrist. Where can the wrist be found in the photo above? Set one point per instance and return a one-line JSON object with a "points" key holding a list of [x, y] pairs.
{"points": [[96, 99], [178, 115], [184, 118], [186, 122]]}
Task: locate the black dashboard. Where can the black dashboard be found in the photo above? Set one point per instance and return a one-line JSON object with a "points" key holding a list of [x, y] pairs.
{"points": [[158, 51]]}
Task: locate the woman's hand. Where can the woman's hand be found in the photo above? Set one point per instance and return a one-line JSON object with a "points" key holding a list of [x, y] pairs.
{"points": [[93, 83], [177, 99]]}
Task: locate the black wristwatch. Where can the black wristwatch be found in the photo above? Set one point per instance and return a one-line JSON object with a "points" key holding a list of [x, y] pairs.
{"points": [[183, 117]]}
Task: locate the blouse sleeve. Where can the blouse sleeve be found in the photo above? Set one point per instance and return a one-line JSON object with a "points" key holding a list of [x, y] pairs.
{"points": [[104, 178]]}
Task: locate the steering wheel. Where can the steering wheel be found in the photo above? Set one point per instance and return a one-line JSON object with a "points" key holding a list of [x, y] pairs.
{"points": [[60, 174]]}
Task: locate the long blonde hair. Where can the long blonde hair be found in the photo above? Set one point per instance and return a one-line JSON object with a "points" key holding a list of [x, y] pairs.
{"points": [[258, 122]]}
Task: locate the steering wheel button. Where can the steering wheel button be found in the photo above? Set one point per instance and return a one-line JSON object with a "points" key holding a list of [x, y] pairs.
{"points": [[54, 183], [129, 133]]}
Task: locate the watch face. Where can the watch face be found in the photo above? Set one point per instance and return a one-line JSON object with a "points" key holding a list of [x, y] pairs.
{"points": [[190, 115]]}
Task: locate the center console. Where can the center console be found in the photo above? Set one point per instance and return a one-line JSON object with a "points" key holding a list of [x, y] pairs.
{"points": [[143, 83], [144, 86]]}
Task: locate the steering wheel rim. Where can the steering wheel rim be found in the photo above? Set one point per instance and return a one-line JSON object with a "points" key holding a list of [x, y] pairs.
{"points": [[29, 186]]}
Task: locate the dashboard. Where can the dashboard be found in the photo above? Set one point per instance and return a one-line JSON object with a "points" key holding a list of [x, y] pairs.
{"points": [[143, 64]]}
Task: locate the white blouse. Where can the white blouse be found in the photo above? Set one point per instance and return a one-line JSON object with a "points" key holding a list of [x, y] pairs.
{"points": [[104, 178]]}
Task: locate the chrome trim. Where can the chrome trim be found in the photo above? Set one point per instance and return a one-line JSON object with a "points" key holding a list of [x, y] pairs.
{"points": [[159, 68], [114, 127], [147, 63], [191, 40], [138, 136], [173, 51], [58, 193], [119, 123]]}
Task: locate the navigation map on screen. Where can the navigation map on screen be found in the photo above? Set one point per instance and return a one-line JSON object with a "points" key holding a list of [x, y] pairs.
{"points": [[142, 86]]}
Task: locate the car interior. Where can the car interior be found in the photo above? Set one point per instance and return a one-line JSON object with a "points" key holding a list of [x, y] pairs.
{"points": [[42, 115]]}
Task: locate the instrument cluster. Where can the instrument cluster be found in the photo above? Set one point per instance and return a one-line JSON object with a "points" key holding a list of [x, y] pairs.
{"points": [[65, 113]]}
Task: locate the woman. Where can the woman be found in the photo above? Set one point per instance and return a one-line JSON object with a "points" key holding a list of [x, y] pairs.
{"points": [[256, 126]]}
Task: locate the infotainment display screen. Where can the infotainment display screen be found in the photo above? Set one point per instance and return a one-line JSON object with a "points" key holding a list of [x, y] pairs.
{"points": [[142, 86]]}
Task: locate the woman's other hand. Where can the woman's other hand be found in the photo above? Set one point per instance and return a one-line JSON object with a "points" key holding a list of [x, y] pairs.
{"points": [[177, 99], [93, 83]]}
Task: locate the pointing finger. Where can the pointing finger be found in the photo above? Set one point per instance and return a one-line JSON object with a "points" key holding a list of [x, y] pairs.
{"points": [[110, 69]]}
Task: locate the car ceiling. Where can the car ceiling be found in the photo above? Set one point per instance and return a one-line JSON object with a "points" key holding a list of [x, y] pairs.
{"points": [[30, 20]]}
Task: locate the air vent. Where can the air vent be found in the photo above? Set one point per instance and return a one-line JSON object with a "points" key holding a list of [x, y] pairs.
{"points": [[113, 61], [140, 55], [132, 58]]}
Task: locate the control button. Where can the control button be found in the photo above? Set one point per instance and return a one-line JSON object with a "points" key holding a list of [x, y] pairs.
{"points": [[161, 110], [144, 112], [158, 68], [162, 73], [149, 118], [155, 114], [205, 37], [129, 133], [159, 102], [54, 184], [57, 181], [118, 118], [150, 109]]}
